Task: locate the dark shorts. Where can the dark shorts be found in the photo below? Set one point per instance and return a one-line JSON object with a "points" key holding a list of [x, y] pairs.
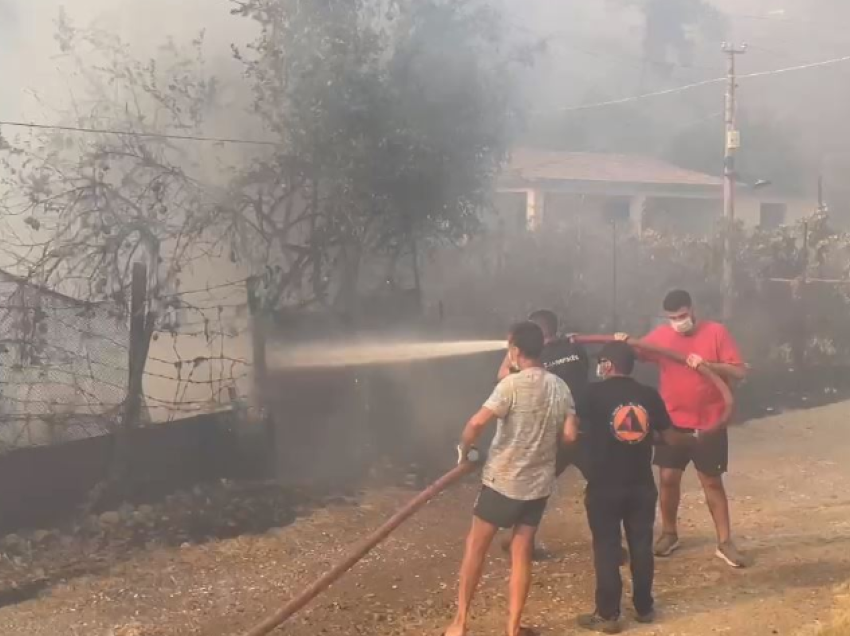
{"points": [[710, 456], [504, 512], [569, 455]]}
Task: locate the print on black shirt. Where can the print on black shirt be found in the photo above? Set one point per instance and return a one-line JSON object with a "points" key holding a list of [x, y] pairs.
{"points": [[620, 418], [568, 361], [630, 423]]}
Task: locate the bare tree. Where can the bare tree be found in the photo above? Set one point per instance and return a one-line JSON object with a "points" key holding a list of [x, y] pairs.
{"points": [[97, 202]]}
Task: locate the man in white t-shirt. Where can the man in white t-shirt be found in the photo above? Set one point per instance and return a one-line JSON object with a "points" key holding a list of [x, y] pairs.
{"points": [[535, 412]]}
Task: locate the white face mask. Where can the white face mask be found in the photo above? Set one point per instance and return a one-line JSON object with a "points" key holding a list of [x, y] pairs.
{"points": [[600, 370], [683, 326]]}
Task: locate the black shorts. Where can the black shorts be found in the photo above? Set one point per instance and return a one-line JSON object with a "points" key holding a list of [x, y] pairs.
{"points": [[504, 512], [569, 455], [710, 456]]}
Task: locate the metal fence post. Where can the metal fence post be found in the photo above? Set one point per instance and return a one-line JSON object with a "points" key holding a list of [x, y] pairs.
{"points": [[260, 372]]}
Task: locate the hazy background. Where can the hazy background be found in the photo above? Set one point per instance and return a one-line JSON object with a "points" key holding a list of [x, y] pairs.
{"points": [[591, 50]]}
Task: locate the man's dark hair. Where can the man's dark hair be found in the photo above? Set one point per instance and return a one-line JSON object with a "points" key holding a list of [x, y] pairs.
{"points": [[621, 355], [528, 338], [547, 320], [677, 299]]}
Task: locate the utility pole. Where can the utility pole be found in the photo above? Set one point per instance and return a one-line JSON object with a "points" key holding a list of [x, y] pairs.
{"points": [[732, 143], [615, 318]]}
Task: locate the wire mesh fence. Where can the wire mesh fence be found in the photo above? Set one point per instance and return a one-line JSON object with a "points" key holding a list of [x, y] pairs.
{"points": [[64, 363], [199, 358], [63, 366]]}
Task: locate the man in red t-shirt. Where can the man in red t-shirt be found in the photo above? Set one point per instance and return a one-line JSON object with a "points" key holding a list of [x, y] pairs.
{"points": [[695, 405]]}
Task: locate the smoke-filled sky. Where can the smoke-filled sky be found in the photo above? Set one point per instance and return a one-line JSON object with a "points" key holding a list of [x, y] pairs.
{"points": [[595, 52], [28, 48]]}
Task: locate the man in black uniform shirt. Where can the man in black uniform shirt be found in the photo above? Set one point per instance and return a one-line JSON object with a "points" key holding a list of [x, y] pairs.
{"points": [[621, 419], [567, 360]]}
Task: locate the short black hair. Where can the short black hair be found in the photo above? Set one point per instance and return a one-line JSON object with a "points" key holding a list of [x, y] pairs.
{"points": [[527, 336], [621, 355], [547, 320], [677, 299]]}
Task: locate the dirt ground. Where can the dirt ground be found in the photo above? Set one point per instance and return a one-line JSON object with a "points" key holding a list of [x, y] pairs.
{"points": [[790, 490]]}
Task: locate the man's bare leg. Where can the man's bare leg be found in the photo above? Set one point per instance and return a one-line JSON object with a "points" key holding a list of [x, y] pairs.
{"points": [[522, 550], [477, 543], [670, 481], [718, 505]]}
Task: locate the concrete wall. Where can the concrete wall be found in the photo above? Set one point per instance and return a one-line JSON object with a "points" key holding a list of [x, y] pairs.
{"points": [[696, 216], [693, 217], [39, 486], [63, 367], [749, 205]]}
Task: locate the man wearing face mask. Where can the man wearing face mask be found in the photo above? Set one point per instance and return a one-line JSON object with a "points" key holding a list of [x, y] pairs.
{"points": [[621, 419], [695, 405]]}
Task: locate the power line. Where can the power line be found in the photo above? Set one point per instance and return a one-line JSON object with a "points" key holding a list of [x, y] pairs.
{"points": [[571, 109], [634, 98], [686, 87], [799, 67], [129, 133], [791, 58]]}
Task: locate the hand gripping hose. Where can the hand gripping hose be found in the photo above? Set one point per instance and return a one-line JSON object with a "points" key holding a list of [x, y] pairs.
{"points": [[361, 550], [722, 387], [453, 476]]}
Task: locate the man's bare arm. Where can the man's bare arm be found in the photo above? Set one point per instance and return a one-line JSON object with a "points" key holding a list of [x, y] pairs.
{"points": [[475, 426], [571, 425]]}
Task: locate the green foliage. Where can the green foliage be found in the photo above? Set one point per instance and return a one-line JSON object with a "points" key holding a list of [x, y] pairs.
{"points": [[571, 270], [393, 119]]}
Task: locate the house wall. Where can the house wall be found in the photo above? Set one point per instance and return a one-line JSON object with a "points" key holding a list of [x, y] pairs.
{"points": [[696, 215], [748, 207], [509, 212], [520, 210], [562, 210], [63, 367]]}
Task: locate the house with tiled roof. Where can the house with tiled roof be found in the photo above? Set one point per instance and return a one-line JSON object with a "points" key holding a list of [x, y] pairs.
{"points": [[545, 188]]}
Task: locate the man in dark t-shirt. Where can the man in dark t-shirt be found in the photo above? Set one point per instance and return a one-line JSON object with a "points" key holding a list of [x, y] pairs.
{"points": [[568, 360], [621, 419]]}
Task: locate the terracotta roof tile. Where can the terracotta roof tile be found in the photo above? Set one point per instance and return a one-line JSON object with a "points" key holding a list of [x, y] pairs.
{"points": [[531, 165]]}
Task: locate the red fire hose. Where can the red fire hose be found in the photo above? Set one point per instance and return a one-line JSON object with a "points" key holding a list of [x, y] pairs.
{"points": [[361, 550], [447, 480], [722, 387]]}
